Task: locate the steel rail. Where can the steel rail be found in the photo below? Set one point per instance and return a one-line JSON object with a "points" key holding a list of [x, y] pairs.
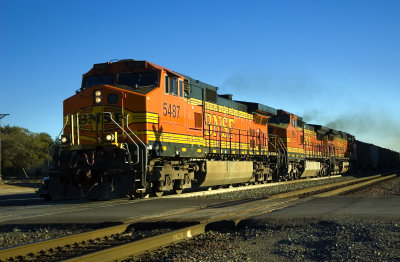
{"points": [[124, 251], [344, 188], [155, 242], [356, 186], [138, 247], [221, 190], [317, 189], [58, 242], [141, 246]]}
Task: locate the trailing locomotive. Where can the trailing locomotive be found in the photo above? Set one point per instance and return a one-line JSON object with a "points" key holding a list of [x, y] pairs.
{"points": [[136, 128]]}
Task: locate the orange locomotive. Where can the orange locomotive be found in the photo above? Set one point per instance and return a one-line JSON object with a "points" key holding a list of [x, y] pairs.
{"points": [[311, 150], [135, 127]]}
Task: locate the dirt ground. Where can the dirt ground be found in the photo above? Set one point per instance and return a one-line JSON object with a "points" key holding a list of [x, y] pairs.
{"points": [[13, 186]]}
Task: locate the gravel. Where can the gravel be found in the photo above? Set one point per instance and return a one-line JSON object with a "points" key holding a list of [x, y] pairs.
{"points": [[133, 233], [288, 240], [256, 193], [333, 239], [389, 187], [13, 235], [305, 239]]}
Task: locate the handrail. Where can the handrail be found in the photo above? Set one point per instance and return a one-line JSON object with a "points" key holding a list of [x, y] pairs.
{"points": [[126, 133], [271, 142], [145, 147], [77, 129], [140, 153], [282, 147], [232, 138], [52, 144], [133, 133]]}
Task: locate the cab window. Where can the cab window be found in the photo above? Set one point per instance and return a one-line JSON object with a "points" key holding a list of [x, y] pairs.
{"points": [[137, 80], [293, 122], [90, 81], [180, 88], [171, 85], [166, 84]]}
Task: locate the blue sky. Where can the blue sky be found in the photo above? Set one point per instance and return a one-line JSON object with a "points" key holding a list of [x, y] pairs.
{"points": [[333, 62]]}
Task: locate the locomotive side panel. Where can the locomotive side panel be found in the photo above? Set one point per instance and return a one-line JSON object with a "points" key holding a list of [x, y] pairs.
{"points": [[171, 136], [233, 132]]}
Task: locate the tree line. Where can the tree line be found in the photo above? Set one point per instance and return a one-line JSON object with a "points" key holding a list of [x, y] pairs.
{"points": [[23, 153]]}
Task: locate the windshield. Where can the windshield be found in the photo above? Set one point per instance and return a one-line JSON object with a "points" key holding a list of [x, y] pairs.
{"points": [[136, 80], [98, 80]]}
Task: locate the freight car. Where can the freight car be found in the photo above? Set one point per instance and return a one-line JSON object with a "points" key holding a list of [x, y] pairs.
{"points": [[135, 128], [371, 157]]}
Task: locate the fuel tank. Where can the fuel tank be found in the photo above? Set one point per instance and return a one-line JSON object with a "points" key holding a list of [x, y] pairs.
{"points": [[224, 173]]}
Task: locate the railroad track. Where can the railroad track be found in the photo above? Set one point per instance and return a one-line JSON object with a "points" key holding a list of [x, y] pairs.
{"points": [[118, 242], [64, 207]]}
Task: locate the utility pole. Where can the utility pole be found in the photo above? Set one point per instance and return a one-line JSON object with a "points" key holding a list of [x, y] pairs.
{"points": [[1, 117]]}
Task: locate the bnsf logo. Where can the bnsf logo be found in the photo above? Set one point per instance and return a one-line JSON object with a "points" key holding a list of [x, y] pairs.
{"points": [[216, 124], [88, 119], [93, 118]]}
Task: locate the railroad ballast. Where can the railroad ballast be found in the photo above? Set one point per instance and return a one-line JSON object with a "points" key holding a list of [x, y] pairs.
{"points": [[136, 128]]}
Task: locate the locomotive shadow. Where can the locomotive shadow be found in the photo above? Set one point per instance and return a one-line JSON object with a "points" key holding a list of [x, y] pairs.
{"points": [[33, 199], [157, 145]]}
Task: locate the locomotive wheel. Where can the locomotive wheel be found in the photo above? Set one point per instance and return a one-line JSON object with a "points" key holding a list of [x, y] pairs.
{"points": [[159, 193], [141, 195], [178, 191]]}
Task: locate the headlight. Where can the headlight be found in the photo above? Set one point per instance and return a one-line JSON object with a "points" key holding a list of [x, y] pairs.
{"points": [[44, 182], [98, 96], [64, 139], [110, 137]]}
